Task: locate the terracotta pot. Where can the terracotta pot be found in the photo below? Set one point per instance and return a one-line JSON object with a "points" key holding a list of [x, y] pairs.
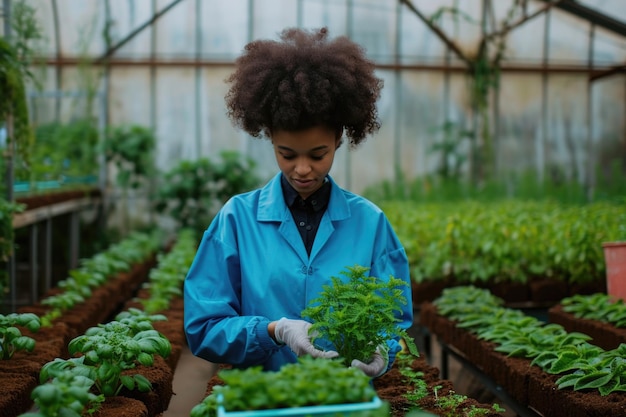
{"points": [[615, 258]]}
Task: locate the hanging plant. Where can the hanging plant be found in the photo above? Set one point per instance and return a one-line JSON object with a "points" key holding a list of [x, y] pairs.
{"points": [[13, 106], [15, 60]]}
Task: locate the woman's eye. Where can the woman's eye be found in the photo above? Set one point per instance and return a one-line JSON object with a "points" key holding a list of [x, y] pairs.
{"points": [[289, 157], [317, 158]]}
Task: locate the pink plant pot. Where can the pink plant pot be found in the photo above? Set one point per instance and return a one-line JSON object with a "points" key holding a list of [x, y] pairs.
{"points": [[615, 258]]}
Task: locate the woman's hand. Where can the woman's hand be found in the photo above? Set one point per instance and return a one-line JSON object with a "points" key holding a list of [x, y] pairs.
{"points": [[377, 366], [295, 334]]}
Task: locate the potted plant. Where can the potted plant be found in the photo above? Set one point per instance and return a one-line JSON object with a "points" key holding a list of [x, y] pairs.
{"points": [[358, 315]]}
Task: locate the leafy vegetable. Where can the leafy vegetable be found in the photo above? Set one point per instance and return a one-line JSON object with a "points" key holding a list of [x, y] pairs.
{"points": [[109, 349], [358, 315], [598, 306], [581, 365], [11, 339], [67, 394], [305, 383]]}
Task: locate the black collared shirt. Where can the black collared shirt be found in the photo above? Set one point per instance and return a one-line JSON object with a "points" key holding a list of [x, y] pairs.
{"points": [[307, 213]]}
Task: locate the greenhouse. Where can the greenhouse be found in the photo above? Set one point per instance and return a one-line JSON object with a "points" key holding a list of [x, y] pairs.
{"points": [[313, 207]]}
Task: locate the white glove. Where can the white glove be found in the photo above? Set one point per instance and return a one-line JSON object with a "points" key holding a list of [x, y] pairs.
{"points": [[295, 334], [377, 366]]}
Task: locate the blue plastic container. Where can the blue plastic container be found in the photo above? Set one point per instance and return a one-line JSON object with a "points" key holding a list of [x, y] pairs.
{"points": [[318, 411]]}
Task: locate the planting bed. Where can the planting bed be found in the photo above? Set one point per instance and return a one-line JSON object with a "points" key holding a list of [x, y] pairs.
{"points": [[42, 199], [526, 384], [538, 291], [603, 334], [51, 342]]}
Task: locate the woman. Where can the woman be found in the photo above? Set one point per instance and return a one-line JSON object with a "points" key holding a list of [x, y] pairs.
{"points": [[268, 252]]}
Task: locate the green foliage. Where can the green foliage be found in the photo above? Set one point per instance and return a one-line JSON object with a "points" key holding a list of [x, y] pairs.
{"points": [[581, 366], [13, 103], [598, 306], [106, 351], [66, 394], [15, 59], [193, 191], [451, 158], [359, 314], [95, 271], [450, 404], [521, 186], [449, 407], [165, 281], [131, 149], [7, 210], [308, 382], [507, 241], [65, 150], [606, 373], [11, 338]]}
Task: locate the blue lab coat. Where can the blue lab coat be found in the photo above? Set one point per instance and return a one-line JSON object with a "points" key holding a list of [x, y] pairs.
{"points": [[251, 268]]}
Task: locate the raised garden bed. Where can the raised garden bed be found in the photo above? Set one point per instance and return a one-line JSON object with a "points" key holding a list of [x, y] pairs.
{"points": [[51, 342], [39, 199], [603, 334], [526, 384]]}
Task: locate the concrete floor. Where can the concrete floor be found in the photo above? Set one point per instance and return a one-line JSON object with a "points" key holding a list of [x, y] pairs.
{"points": [[190, 383]]}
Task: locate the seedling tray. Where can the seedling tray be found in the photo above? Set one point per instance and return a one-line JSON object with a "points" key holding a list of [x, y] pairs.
{"points": [[318, 410]]}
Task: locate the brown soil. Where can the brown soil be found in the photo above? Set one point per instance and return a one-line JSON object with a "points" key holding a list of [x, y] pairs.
{"points": [[41, 199], [122, 407], [51, 343]]}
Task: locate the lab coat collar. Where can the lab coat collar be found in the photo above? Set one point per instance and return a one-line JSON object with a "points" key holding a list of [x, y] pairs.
{"points": [[272, 206]]}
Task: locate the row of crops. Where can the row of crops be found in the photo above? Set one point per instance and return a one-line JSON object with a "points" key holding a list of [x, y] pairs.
{"points": [[506, 241]]}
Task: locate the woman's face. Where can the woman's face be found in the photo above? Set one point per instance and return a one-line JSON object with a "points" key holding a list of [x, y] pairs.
{"points": [[305, 156]]}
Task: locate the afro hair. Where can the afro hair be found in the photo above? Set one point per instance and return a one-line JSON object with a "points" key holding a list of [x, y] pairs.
{"points": [[301, 81]]}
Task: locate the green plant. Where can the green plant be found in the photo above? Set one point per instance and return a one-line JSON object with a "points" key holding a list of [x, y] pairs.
{"points": [[15, 60], [66, 394], [358, 315], [451, 158], [11, 338], [607, 375], [413, 378], [450, 403], [305, 383], [65, 150], [110, 349], [193, 191], [581, 366], [131, 149], [7, 210], [95, 271], [166, 280], [597, 306]]}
